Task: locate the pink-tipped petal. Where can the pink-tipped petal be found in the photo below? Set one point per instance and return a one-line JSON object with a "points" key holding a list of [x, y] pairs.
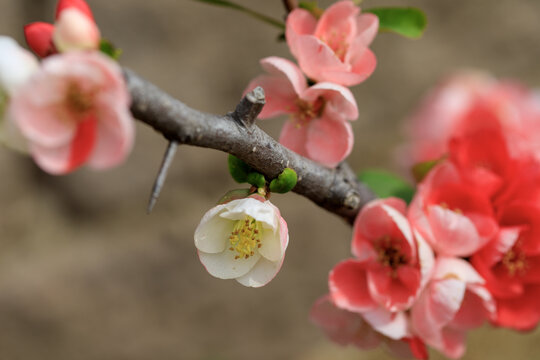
{"points": [[80, 5], [261, 273], [287, 69], [348, 287], [75, 31], [391, 324]]}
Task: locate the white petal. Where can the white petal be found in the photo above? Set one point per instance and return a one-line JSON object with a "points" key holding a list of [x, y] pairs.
{"points": [[261, 274], [213, 231], [271, 245], [16, 65], [261, 211], [224, 266], [392, 325]]}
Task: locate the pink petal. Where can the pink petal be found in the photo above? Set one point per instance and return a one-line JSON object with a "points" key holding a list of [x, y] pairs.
{"points": [[337, 25], [340, 102], [299, 22], [279, 95], [294, 137], [454, 234], [367, 27], [80, 5], [453, 343], [52, 160], [115, 138], [287, 69], [348, 287], [316, 58], [393, 325], [329, 142], [39, 38]]}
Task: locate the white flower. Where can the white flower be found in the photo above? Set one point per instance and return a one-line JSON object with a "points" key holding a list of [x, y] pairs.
{"points": [[16, 66], [243, 239]]}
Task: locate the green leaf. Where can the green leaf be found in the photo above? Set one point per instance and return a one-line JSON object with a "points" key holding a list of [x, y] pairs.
{"points": [[409, 22], [256, 179], [234, 195], [285, 182], [385, 184], [239, 170], [252, 13], [420, 170], [106, 47]]}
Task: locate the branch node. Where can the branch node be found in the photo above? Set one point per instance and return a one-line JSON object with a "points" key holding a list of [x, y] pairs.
{"points": [[162, 174], [250, 107], [352, 200]]}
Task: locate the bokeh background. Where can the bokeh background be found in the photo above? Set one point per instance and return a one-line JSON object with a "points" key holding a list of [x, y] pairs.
{"points": [[86, 274]]}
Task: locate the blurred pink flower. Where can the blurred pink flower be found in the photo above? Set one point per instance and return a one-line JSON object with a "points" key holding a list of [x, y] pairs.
{"points": [[455, 217], [391, 267], [468, 102], [367, 331], [74, 29], [454, 302], [244, 239], [75, 110], [335, 47], [318, 129]]}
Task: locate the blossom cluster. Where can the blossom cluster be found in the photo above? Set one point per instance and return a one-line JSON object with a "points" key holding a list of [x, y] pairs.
{"points": [[72, 108], [466, 249], [333, 52]]}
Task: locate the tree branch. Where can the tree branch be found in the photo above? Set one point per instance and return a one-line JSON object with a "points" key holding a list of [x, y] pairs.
{"points": [[336, 190]]}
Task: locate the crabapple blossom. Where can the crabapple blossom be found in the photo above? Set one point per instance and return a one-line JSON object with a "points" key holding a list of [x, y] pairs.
{"points": [[392, 263], [454, 301], [333, 48], [75, 110], [350, 328], [74, 29], [318, 128], [455, 217], [16, 66], [510, 264], [244, 239]]}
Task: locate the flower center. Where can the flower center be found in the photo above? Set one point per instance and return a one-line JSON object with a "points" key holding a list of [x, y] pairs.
{"points": [[456, 210], [78, 102], [389, 254], [337, 42], [305, 111], [245, 238], [515, 262]]}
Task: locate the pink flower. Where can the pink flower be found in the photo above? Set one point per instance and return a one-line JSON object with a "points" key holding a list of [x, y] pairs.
{"points": [[510, 264], [318, 129], [75, 110], [75, 29], [244, 239], [455, 217], [335, 47], [469, 102], [367, 332], [454, 302], [391, 267]]}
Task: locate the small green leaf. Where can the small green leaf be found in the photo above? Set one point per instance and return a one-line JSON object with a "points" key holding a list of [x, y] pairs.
{"points": [[385, 184], [253, 13], [420, 170], [239, 170], [234, 195], [409, 22], [285, 182], [256, 179], [106, 47]]}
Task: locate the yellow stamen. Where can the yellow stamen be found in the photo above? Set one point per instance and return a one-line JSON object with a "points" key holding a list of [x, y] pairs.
{"points": [[245, 237]]}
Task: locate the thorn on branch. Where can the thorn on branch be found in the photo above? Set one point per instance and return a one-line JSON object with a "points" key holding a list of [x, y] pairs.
{"points": [[250, 107], [162, 174]]}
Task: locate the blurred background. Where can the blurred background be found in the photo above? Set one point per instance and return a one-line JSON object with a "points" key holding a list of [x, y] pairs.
{"points": [[86, 274]]}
